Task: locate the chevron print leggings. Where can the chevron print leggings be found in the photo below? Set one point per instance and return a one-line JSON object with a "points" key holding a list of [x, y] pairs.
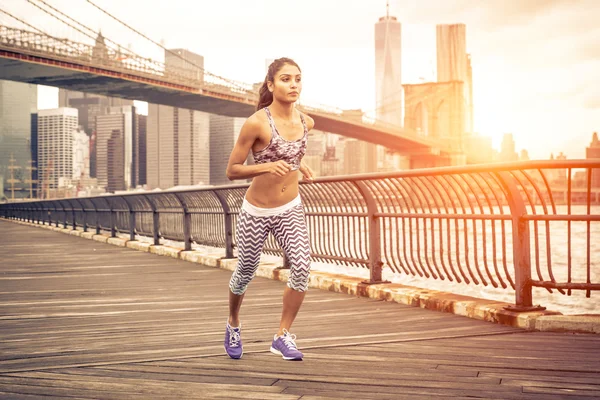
{"points": [[289, 229]]}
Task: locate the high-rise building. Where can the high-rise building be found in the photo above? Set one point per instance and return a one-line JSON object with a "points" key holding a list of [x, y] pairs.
{"points": [[177, 147], [17, 102], [55, 146], [89, 106], [116, 137], [34, 152], [139, 152], [593, 151], [330, 162], [358, 157], [388, 70], [454, 64], [340, 150], [508, 152], [81, 154], [186, 63], [224, 132]]}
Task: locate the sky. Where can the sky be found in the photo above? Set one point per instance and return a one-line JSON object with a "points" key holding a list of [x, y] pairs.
{"points": [[536, 63]]}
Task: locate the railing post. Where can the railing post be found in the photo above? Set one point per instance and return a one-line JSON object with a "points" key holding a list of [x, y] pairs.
{"points": [[155, 221], [187, 223], [96, 217], [131, 219], [228, 224], [54, 206], [113, 219], [375, 263], [65, 222], [73, 215], [521, 249], [83, 215]]}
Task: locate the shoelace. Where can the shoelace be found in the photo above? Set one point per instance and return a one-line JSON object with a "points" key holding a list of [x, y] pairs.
{"points": [[234, 337], [289, 340]]}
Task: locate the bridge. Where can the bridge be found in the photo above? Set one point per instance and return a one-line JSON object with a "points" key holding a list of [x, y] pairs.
{"points": [[32, 56]]}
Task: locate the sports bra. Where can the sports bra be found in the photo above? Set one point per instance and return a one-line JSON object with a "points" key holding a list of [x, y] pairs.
{"points": [[282, 149]]}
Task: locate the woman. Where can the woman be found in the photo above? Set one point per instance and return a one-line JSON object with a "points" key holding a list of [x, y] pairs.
{"points": [[276, 134]]}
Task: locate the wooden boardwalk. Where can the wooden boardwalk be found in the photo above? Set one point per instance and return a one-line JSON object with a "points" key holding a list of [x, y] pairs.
{"points": [[86, 320]]}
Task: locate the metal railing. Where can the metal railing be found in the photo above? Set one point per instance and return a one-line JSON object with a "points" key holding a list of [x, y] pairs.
{"points": [[514, 226]]}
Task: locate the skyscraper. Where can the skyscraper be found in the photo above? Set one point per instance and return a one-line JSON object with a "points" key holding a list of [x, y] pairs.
{"points": [[454, 64], [177, 147], [17, 102], [508, 152], [224, 132], [139, 152], [177, 140], [55, 145], [81, 154], [117, 131], [388, 70], [34, 152], [593, 151], [185, 62], [89, 106]]}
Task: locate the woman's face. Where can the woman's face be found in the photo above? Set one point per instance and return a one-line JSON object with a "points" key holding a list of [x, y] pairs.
{"points": [[287, 84]]}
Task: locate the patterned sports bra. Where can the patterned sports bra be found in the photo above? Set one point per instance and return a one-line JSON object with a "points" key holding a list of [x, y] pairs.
{"points": [[282, 149]]}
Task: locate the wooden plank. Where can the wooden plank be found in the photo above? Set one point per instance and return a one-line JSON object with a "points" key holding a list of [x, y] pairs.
{"points": [[85, 319], [99, 385]]}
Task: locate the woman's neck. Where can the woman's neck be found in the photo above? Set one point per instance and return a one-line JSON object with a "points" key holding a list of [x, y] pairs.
{"points": [[283, 111]]}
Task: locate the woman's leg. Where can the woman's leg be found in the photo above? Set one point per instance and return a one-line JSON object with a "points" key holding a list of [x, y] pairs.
{"points": [[292, 235], [251, 234], [235, 302]]}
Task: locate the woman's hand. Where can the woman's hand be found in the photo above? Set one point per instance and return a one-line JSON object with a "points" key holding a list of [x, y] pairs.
{"points": [[307, 173], [279, 168]]}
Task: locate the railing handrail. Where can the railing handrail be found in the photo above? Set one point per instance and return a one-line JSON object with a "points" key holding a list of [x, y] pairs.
{"points": [[410, 221], [465, 169]]}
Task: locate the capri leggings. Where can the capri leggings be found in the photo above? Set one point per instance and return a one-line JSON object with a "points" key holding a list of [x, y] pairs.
{"points": [[288, 225]]}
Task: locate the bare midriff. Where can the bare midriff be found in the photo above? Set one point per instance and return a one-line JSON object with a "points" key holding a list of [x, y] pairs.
{"points": [[268, 191]]}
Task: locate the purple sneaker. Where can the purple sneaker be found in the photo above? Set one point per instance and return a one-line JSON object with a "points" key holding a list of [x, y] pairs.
{"points": [[233, 341], [285, 346]]}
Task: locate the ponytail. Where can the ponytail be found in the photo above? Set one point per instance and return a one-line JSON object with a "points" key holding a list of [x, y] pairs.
{"points": [[265, 97]]}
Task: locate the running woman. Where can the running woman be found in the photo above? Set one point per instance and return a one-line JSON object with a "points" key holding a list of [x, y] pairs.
{"points": [[276, 134]]}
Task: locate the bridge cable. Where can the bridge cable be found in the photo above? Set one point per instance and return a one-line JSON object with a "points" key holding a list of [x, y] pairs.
{"points": [[118, 46], [41, 31], [164, 48]]}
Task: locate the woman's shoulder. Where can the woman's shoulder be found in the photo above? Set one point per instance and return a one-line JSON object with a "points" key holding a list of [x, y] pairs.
{"points": [[255, 125], [310, 123], [259, 118]]}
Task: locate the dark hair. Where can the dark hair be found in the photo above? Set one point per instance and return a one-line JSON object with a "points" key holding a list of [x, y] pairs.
{"points": [[265, 96]]}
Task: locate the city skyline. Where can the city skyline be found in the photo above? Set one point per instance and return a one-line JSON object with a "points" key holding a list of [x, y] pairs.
{"points": [[531, 60], [534, 63]]}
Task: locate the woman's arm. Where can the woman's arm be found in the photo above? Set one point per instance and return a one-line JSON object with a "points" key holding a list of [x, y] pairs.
{"points": [[236, 168]]}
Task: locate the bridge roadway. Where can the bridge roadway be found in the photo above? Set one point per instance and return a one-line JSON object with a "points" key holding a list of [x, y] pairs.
{"points": [[26, 62], [89, 320]]}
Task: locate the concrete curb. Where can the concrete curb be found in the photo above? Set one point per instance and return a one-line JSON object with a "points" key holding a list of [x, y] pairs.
{"points": [[471, 307]]}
